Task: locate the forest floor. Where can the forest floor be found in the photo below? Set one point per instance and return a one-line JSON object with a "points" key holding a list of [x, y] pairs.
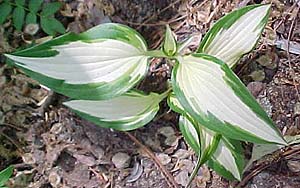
{"points": [[52, 147]]}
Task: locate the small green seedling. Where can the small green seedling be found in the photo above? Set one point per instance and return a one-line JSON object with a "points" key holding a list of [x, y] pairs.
{"points": [[5, 175], [98, 69]]}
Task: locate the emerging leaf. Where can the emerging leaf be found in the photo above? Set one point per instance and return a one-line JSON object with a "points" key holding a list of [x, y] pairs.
{"points": [[170, 45], [235, 34], [226, 159], [215, 97], [127, 112], [101, 63]]}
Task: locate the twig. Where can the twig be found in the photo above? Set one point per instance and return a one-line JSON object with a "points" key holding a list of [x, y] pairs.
{"points": [[284, 153], [19, 148], [159, 12], [169, 178]]}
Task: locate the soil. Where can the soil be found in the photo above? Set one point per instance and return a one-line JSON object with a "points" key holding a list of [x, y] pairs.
{"points": [[52, 147]]}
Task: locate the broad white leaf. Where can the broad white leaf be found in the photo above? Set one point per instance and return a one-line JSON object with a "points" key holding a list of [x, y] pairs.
{"points": [[90, 65], [235, 34], [126, 112], [226, 159], [215, 97]]}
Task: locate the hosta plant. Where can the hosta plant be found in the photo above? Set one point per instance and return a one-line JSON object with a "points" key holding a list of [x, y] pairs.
{"points": [[98, 69]]}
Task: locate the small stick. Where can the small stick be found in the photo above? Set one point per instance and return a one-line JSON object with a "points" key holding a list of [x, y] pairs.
{"points": [[169, 178]]}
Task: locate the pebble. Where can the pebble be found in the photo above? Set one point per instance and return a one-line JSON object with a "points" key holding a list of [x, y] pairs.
{"points": [[260, 180], [297, 108], [186, 165], [182, 178], [54, 178], [256, 87], [121, 160], [166, 131], [258, 75], [294, 165], [171, 140], [182, 154], [163, 158]]}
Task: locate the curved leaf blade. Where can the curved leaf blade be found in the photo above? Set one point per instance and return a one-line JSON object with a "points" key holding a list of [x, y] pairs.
{"points": [[127, 112], [31, 18], [5, 175], [215, 97], [227, 159], [235, 34], [102, 63], [208, 142], [34, 5], [50, 8], [18, 17], [5, 11]]}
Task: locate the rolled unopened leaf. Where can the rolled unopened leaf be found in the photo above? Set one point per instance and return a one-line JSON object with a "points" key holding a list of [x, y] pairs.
{"points": [[235, 34], [170, 45], [126, 112], [101, 63], [214, 96]]}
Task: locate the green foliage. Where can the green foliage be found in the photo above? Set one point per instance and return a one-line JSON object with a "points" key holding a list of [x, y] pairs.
{"points": [[5, 175], [99, 68], [32, 13]]}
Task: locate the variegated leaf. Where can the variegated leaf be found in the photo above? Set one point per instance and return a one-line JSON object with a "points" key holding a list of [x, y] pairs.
{"points": [[227, 159], [126, 112], [101, 63], [208, 139], [215, 97], [235, 34]]}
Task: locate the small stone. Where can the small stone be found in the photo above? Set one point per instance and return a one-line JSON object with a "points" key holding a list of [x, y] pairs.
{"points": [[54, 179], [3, 80], [294, 165], [98, 152], [266, 61], [121, 160], [187, 165], [171, 140], [182, 178], [87, 160], [258, 75], [163, 158], [56, 128], [28, 158], [182, 154], [256, 87], [297, 108], [166, 131]]}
